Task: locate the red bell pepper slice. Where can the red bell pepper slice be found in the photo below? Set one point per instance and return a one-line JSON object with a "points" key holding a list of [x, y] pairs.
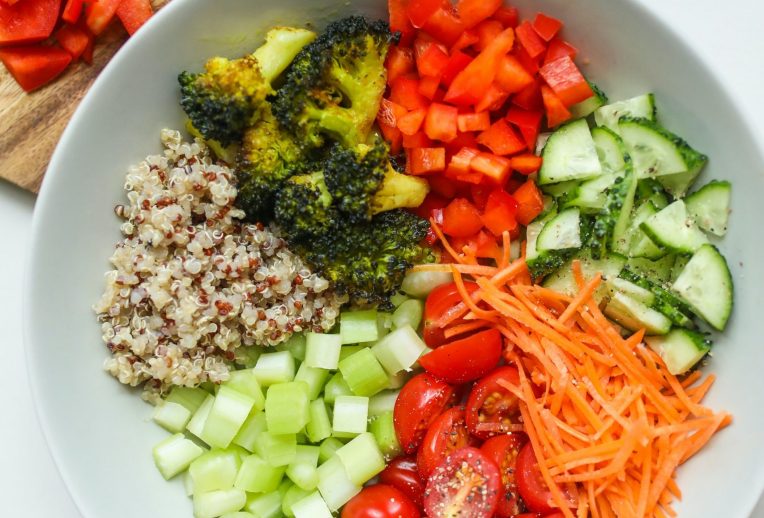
{"points": [[529, 202], [473, 12], [460, 162], [72, 11], [473, 82], [486, 32], [501, 139], [444, 25], [9, 2], [461, 218], [418, 139], [441, 122], [35, 66], [399, 20], [445, 187], [467, 39], [478, 121], [493, 99], [511, 75], [99, 14], [458, 62], [27, 21], [87, 54], [479, 194], [499, 213], [508, 16], [566, 80], [424, 160], [530, 40], [410, 123], [558, 48], [526, 163], [495, 168], [433, 201], [390, 112], [529, 98], [530, 64], [405, 91], [428, 87], [528, 122], [432, 61], [463, 139], [134, 13], [399, 61], [419, 11], [73, 39], [556, 111], [546, 26]]}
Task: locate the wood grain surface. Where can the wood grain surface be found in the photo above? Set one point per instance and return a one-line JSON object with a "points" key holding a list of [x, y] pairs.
{"points": [[31, 124]]}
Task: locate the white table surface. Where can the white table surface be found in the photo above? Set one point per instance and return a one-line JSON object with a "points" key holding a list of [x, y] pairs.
{"points": [[728, 35]]}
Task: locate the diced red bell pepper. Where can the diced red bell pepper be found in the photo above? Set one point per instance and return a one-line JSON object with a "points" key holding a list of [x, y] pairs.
{"points": [[418, 139], [399, 20], [530, 64], [87, 57], [463, 139], [479, 194], [405, 91], [432, 61], [27, 21], [444, 25], [9, 2], [530, 40], [390, 112], [72, 11], [526, 163], [446, 187], [546, 26], [134, 13], [529, 98], [501, 139], [467, 38], [529, 202], [495, 168], [473, 12], [528, 122], [399, 61], [511, 75], [419, 11], [433, 201], [425, 160], [410, 123], [556, 112], [460, 162], [493, 99], [473, 82], [458, 62], [478, 121], [566, 80], [499, 213], [428, 86], [35, 66], [486, 32], [558, 48], [441, 122], [484, 245], [461, 218], [508, 16], [99, 14], [73, 39]]}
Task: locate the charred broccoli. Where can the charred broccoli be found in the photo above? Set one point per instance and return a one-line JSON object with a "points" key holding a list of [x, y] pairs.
{"points": [[304, 206], [334, 85]]}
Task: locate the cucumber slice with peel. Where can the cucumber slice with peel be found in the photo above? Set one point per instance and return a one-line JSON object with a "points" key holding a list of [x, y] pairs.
{"points": [[674, 229], [680, 349], [588, 106], [562, 279], [710, 206], [610, 149], [634, 315], [639, 106], [562, 232], [569, 154]]}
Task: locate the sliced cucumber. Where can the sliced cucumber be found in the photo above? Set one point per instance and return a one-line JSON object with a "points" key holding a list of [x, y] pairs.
{"points": [[591, 195], [679, 264], [562, 280], [562, 232], [710, 206], [619, 207], [639, 106], [705, 285], [635, 243], [541, 263], [680, 349], [559, 189], [674, 229], [635, 315], [638, 293], [587, 107], [610, 150], [664, 301], [650, 189], [679, 183], [658, 270], [569, 154]]}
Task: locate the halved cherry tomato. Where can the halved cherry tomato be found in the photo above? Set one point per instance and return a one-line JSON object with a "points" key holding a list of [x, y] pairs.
{"points": [[425, 160], [530, 40], [461, 218], [399, 61], [27, 21], [465, 359], [466, 483], [473, 121], [566, 80], [499, 213], [556, 112], [529, 202], [35, 66], [546, 26], [528, 122], [490, 406], [503, 450], [445, 435], [531, 485], [494, 168], [421, 400], [473, 12], [440, 301], [501, 139], [380, 501], [403, 474], [441, 122]]}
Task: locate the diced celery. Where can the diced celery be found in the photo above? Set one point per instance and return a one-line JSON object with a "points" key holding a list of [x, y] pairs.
{"points": [[275, 367], [398, 298], [286, 407], [246, 356], [358, 326], [319, 426], [350, 350], [293, 495], [335, 486], [188, 484], [277, 450], [251, 430], [190, 397], [312, 506], [295, 345], [245, 382], [384, 433], [214, 470], [328, 448], [336, 386], [284, 486], [301, 438], [175, 454], [323, 350], [199, 419], [209, 387], [399, 350], [173, 417], [216, 503], [242, 453], [264, 506], [239, 514], [363, 373], [307, 455], [409, 313], [228, 414], [302, 470], [383, 402], [420, 284], [361, 458], [350, 415], [314, 377], [257, 476]]}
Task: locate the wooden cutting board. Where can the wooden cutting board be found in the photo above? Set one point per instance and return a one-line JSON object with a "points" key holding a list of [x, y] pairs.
{"points": [[31, 124]]}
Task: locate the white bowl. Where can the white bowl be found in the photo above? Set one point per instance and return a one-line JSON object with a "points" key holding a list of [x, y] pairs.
{"points": [[99, 431]]}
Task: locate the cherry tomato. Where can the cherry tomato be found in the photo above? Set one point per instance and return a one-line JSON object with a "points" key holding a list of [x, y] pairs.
{"points": [[491, 407], [466, 359], [403, 474], [380, 501], [421, 400], [466, 483], [446, 434], [439, 301], [531, 485], [503, 450]]}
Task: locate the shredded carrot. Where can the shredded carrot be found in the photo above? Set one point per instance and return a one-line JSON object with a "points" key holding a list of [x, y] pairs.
{"points": [[608, 423], [467, 327]]}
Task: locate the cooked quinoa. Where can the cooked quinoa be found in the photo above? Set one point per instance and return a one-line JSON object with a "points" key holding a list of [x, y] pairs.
{"points": [[192, 282]]}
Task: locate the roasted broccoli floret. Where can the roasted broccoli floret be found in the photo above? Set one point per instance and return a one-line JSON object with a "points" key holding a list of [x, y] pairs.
{"points": [[304, 206], [334, 85], [223, 100]]}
